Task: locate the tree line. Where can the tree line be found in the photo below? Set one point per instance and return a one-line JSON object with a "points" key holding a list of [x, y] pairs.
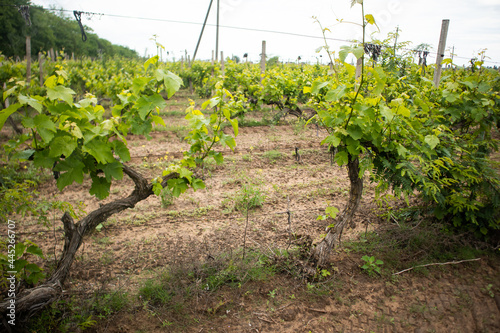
{"points": [[50, 30]]}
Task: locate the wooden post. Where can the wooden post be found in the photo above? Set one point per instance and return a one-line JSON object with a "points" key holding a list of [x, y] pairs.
{"points": [[440, 55], [212, 63], [40, 67], [263, 60], [396, 40], [222, 69], [190, 82], [28, 60], [359, 64]]}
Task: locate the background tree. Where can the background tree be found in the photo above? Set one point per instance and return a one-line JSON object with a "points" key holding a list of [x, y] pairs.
{"points": [[51, 30]]}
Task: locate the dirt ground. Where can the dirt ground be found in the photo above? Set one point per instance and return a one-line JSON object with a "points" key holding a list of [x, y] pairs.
{"points": [[133, 245]]}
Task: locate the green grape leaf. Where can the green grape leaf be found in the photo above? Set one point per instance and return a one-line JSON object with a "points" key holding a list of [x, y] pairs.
{"points": [[358, 51], [331, 211], [45, 127], [402, 151], [35, 277], [185, 173], [62, 145], [67, 178], [121, 150], [380, 78], [219, 158], [344, 52], [228, 141], [336, 94], [101, 151], [341, 158], [353, 146], [5, 113], [113, 170], [74, 171], [139, 83], [197, 184], [23, 154], [9, 92], [178, 186], [146, 104], [450, 96], [28, 122], [172, 83], [150, 61], [157, 188], [19, 265], [100, 187], [405, 112], [355, 132], [234, 123], [41, 159], [387, 113], [62, 93], [316, 86], [469, 84], [35, 104], [32, 268], [116, 110], [432, 140], [333, 140], [158, 120], [19, 249], [33, 249]]}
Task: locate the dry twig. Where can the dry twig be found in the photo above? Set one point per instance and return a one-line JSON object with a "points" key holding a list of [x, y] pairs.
{"points": [[437, 264]]}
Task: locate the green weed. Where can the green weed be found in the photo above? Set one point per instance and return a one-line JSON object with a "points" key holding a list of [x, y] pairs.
{"points": [[273, 155], [247, 198], [371, 265]]}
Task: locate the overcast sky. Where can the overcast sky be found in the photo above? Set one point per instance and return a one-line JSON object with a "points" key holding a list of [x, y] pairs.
{"points": [[474, 25]]}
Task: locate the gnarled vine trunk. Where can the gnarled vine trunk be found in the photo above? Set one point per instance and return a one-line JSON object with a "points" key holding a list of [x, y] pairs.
{"points": [[32, 300], [321, 252]]}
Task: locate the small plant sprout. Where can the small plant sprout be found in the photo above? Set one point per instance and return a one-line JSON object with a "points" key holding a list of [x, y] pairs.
{"points": [[330, 211], [325, 273], [371, 265]]}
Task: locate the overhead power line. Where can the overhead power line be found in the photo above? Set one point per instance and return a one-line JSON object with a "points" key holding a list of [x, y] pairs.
{"points": [[225, 26]]}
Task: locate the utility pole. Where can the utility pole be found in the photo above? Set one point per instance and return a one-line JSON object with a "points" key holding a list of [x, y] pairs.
{"points": [[201, 34], [217, 34], [440, 53]]}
